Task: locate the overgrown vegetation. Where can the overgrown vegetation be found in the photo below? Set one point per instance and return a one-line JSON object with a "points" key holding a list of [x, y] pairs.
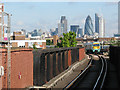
{"points": [[117, 43], [68, 40], [49, 42]]}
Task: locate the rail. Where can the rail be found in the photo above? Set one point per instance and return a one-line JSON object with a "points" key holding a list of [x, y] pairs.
{"points": [[79, 76], [101, 78]]}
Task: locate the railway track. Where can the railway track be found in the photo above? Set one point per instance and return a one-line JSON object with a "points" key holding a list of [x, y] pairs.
{"points": [[91, 78]]}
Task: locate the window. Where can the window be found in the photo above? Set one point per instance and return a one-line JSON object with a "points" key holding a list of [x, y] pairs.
{"points": [[96, 45]]}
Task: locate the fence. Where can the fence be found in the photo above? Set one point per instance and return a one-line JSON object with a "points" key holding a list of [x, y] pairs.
{"points": [[115, 58], [50, 62]]}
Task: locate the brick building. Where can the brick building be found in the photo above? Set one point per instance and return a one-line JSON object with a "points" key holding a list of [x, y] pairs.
{"points": [[19, 40], [55, 39], [18, 36], [21, 68]]}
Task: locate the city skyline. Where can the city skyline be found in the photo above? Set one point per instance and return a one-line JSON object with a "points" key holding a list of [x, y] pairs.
{"points": [[39, 19]]}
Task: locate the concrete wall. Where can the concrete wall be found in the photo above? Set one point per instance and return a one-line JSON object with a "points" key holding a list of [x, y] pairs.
{"points": [[21, 68], [115, 58]]}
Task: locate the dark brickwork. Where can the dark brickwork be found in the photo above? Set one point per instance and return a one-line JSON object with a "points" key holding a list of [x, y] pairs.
{"points": [[50, 62]]}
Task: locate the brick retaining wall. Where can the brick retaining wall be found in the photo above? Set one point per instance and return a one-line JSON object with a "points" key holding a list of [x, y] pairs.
{"points": [[21, 64]]}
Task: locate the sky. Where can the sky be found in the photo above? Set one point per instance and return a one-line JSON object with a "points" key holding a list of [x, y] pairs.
{"points": [[46, 15]]}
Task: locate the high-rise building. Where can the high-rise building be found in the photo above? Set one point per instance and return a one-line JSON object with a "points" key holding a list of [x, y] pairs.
{"points": [[118, 34], [74, 28], [96, 23], [80, 32], [88, 26], [1, 21], [99, 25], [77, 30], [62, 26], [56, 31], [119, 18]]}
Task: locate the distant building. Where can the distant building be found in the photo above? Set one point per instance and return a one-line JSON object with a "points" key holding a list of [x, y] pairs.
{"points": [[39, 33], [99, 25], [119, 18], [88, 26], [23, 31], [77, 30], [96, 23], [62, 26], [35, 38], [55, 39], [34, 33], [54, 31], [118, 34], [29, 43], [74, 28], [18, 36], [80, 32]]}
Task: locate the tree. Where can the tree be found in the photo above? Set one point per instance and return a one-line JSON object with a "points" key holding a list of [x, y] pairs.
{"points": [[49, 42], [34, 46], [118, 43], [68, 40]]}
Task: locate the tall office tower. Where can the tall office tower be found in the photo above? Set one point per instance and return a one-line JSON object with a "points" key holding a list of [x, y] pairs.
{"points": [[56, 30], [119, 18], [96, 23], [88, 26], [99, 25], [118, 34], [74, 28], [62, 26], [1, 21], [80, 32]]}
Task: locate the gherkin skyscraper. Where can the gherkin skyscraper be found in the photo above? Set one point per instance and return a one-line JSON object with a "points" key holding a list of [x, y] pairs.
{"points": [[89, 26]]}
